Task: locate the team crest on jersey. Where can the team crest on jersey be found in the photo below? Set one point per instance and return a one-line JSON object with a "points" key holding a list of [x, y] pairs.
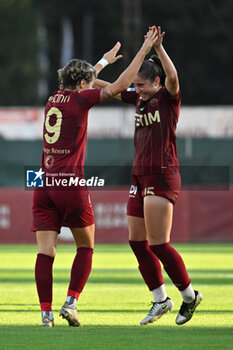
{"points": [[49, 161], [154, 102]]}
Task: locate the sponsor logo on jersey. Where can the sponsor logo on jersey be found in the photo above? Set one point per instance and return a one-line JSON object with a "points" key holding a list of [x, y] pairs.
{"points": [[147, 118]]}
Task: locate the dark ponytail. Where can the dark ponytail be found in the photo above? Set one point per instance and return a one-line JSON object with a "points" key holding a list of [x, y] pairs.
{"points": [[152, 68]]}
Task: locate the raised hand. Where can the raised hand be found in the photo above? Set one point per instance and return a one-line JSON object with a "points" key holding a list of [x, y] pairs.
{"points": [[110, 56], [159, 38], [150, 39]]}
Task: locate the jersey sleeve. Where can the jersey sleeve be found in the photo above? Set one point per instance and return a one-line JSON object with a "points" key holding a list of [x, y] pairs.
{"points": [[175, 99], [88, 98], [129, 96]]}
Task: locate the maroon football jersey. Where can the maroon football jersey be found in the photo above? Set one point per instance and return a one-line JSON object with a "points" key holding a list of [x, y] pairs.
{"points": [[155, 126], [65, 130]]}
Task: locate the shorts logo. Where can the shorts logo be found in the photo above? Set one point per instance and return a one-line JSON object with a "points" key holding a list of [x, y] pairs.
{"points": [[133, 191], [35, 178]]}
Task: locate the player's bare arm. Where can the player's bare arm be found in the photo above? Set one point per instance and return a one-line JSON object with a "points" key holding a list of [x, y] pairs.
{"points": [[171, 81], [105, 95], [126, 78], [101, 84]]}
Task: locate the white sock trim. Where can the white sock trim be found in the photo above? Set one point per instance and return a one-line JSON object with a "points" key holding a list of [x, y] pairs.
{"points": [[159, 294], [188, 294], [74, 300], [49, 313]]}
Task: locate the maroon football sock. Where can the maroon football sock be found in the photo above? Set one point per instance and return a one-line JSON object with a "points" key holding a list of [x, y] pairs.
{"points": [[149, 264], [80, 271], [173, 264], [44, 280]]}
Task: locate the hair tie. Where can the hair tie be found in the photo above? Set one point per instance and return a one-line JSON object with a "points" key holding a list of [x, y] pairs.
{"points": [[150, 59]]}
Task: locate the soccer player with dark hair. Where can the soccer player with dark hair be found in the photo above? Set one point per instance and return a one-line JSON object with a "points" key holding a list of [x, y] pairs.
{"points": [[156, 183], [64, 143]]}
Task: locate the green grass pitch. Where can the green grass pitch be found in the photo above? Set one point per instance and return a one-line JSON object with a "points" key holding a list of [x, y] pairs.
{"points": [[114, 301]]}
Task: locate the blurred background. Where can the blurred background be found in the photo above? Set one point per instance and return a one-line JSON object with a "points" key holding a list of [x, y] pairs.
{"points": [[38, 37]]}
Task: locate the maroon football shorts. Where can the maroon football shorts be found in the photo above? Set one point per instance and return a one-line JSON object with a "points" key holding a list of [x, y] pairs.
{"points": [[52, 209], [163, 185]]}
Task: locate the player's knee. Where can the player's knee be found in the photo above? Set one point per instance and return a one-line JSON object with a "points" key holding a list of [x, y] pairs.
{"points": [[47, 250], [85, 244]]}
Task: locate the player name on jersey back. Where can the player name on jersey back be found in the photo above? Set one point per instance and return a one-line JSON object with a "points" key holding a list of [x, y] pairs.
{"points": [[59, 98]]}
